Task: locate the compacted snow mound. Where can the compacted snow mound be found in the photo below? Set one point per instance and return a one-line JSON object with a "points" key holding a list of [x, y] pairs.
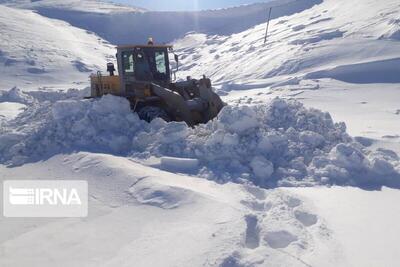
{"points": [[281, 143]]}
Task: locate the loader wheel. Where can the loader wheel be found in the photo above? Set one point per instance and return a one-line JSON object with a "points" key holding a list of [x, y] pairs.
{"points": [[150, 113]]}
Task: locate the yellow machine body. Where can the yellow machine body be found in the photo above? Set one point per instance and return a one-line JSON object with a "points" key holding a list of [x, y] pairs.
{"points": [[102, 85]]}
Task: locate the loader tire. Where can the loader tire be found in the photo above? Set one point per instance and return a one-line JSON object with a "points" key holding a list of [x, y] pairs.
{"points": [[149, 113]]}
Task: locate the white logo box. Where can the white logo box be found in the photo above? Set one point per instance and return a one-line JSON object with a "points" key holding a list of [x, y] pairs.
{"points": [[45, 198]]}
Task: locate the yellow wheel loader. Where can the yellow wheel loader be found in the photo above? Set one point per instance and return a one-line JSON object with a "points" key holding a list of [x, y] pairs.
{"points": [[145, 79]]}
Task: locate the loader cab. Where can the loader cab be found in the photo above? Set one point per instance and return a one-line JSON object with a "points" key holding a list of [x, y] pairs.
{"points": [[143, 64]]}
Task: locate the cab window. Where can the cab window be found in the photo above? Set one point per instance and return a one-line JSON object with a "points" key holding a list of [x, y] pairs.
{"points": [[160, 62], [128, 62]]}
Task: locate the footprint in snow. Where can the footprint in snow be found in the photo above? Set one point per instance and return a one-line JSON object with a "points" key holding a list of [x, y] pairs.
{"points": [[280, 239], [293, 202], [307, 219], [252, 238], [230, 261]]}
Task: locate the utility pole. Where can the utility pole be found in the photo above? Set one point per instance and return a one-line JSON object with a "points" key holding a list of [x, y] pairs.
{"points": [[266, 31]]}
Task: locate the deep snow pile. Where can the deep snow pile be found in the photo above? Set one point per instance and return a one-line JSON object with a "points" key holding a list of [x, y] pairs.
{"points": [[281, 143]]}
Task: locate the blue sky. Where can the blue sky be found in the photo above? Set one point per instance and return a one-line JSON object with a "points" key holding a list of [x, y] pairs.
{"points": [[185, 4]]}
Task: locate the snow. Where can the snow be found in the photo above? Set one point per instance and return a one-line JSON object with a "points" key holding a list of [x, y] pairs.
{"points": [[10, 110], [121, 25], [369, 110], [324, 37], [179, 164], [118, 211], [94, 6], [231, 223], [384, 71], [164, 194], [217, 223], [280, 143], [31, 57], [350, 211]]}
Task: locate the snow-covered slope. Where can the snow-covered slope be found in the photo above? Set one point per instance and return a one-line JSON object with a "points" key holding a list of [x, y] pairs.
{"points": [[39, 52], [319, 43], [135, 26], [93, 6]]}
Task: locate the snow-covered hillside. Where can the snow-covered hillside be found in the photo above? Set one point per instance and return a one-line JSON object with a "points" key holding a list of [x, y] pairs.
{"points": [[272, 181], [93, 6], [317, 43], [135, 26], [40, 52]]}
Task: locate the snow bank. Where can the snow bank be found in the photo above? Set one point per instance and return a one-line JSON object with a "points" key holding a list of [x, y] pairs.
{"points": [[382, 71], [281, 143]]}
